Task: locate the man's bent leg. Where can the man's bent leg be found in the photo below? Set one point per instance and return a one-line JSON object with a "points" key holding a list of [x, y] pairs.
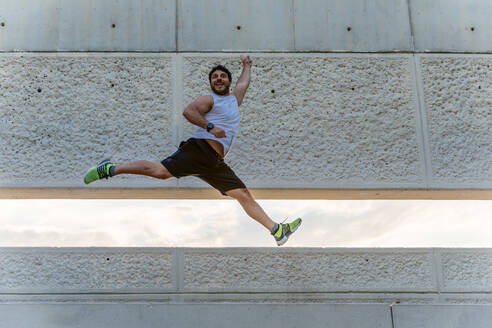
{"points": [[280, 232], [150, 169], [252, 208]]}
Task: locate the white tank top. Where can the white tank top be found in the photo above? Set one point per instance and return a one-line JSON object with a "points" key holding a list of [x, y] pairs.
{"points": [[225, 115]]}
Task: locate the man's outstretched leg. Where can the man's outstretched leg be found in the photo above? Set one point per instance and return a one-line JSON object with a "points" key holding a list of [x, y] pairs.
{"points": [[106, 169], [150, 169], [281, 231]]}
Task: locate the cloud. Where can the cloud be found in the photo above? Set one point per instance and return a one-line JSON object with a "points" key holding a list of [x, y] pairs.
{"points": [[393, 223], [34, 238], [117, 223], [223, 223]]}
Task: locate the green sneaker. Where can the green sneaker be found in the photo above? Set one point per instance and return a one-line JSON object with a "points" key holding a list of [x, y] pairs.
{"points": [[99, 172], [285, 230]]}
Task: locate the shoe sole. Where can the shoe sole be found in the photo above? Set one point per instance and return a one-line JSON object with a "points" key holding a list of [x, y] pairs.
{"points": [[85, 181], [286, 237]]}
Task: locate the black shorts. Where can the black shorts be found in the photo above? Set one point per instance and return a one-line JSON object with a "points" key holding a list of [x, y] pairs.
{"points": [[197, 158]]}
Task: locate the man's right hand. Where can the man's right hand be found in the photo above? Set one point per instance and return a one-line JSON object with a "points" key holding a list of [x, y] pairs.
{"points": [[218, 132]]}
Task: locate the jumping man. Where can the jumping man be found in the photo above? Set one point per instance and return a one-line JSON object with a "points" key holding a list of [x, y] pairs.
{"points": [[217, 117]]}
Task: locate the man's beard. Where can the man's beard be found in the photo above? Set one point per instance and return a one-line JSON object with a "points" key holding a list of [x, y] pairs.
{"points": [[220, 93]]}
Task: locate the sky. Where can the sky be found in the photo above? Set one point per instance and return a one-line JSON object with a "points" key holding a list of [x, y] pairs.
{"points": [[222, 223]]}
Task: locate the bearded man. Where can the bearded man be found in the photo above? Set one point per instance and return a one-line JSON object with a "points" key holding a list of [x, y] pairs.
{"points": [[217, 119]]}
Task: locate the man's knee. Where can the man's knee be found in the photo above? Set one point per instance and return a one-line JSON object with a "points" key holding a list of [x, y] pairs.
{"points": [[162, 172], [240, 194]]}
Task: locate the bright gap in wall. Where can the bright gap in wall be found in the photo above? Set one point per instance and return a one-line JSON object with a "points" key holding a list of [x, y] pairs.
{"points": [[222, 223]]}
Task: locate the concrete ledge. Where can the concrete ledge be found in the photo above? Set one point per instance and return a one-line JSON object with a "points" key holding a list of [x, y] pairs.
{"points": [[194, 315], [150, 314], [208, 193]]}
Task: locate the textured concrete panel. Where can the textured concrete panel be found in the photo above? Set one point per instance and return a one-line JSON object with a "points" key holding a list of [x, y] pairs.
{"points": [[452, 25], [61, 114], [442, 316], [235, 25], [308, 270], [245, 275], [72, 25], [84, 270], [352, 25], [320, 121], [458, 101], [467, 270], [194, 315]]}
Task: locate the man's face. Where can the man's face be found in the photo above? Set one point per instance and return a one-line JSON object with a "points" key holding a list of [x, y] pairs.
{"points": [[220, 83]]}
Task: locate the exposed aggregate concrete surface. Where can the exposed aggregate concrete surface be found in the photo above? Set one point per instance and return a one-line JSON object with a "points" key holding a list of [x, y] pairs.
{"points": [[313, 270], [320, 121], [61, 114], [458, 98], [322, 275], [354, 120], [84, 269]]}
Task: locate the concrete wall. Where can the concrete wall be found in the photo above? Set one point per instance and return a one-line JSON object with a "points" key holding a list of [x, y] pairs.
{"points": [[82, 81], [320, 287], [274, 25], [361, 121], [406, 276]]}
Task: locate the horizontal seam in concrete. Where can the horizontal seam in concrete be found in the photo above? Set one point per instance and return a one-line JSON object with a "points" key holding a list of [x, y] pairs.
{"points": [[251, 52], [351, 292], [243, 250]]}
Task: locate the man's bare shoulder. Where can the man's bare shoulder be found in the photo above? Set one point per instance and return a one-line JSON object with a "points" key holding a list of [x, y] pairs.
{"points": [[206, 99]]}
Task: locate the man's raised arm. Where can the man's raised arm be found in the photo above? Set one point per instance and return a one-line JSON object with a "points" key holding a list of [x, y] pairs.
{"points": [[243, 81]]}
